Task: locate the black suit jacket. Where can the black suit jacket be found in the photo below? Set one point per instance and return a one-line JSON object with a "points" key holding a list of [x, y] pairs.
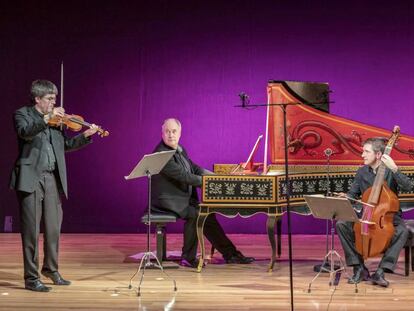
{"points": [[27, 171], [170, 188]]}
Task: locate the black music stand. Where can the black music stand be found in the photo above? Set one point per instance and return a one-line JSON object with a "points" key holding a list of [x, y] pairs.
{"points": [[331, 208], [150, 164], [328, 153], [283, 106], [246, 104]]}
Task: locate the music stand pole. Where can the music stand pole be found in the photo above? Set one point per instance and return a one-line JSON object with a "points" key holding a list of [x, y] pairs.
{"points": [[325, 265], [149, 211], [284, 106]]}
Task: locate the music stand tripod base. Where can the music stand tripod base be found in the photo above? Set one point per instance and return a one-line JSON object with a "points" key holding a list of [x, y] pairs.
{"points": [[331, 208], [146, 263]]}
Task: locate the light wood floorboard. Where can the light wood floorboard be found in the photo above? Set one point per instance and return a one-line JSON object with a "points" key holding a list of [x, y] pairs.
{"points": [[99, 267]]}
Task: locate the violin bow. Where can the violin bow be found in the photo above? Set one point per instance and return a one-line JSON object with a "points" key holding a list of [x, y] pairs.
{"points": [[352, 199], [61, 89]]}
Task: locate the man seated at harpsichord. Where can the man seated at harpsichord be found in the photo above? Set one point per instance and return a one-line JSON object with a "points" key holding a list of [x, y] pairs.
{"points": [[174, 191], [373, 156]]}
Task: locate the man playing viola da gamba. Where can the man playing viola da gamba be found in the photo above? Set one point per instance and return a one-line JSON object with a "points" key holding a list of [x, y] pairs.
{"points": [[373, 155]]}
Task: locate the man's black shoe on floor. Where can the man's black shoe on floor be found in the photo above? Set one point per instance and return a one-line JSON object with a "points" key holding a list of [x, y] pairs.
{"points": [[56, 278], [239, 258], [378, 278], [361, 273], [36, 286]]}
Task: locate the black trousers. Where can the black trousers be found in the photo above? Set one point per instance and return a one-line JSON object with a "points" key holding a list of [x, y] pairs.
{"points": [[212, 231], [44, 203], [345, 230]]}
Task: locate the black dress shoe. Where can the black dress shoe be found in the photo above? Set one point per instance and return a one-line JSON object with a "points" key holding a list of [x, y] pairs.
{"points": [[378, 279], [37, 286], [56, 278], [239, 258], [361, 273]]}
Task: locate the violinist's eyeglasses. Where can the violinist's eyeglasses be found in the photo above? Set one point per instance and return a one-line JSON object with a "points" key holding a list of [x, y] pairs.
{"points": [[50, 98]]}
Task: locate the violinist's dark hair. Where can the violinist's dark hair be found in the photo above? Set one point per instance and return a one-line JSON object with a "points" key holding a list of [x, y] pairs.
{"points": [[41, 88], [377, 143]]}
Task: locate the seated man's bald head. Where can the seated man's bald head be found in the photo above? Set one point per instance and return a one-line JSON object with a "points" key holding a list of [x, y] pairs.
{"points": [[171, 132]]}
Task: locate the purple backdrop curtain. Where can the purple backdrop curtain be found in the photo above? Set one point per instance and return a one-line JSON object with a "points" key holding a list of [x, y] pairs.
{"points": [[131, 64]]}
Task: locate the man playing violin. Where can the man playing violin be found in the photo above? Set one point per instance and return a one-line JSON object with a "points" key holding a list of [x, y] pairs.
{"points": [[174, 191], [39, 178], [373, 149]]}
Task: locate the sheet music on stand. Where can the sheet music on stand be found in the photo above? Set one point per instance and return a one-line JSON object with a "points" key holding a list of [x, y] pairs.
{"points": [[150, 163], [323, 207]]}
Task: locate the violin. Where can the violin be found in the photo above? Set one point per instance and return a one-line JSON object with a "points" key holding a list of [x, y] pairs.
{"points": [[74, 123]]}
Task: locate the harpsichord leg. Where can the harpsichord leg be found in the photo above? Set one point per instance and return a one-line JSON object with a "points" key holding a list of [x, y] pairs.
{"points": [[270, 224], [200, 225]]}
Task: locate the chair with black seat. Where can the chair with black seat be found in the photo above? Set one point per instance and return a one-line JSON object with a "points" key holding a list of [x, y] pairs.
{"points": [[409, 247], [160, 221]]}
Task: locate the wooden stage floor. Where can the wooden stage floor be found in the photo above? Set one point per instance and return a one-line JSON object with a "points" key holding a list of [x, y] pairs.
{"points": [[99, 268]]}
